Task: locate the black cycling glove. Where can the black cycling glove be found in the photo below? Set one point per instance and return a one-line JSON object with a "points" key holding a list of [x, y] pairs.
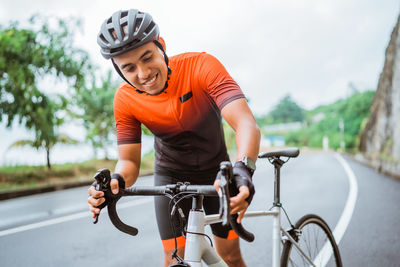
{"points": [[243, 176], [121, 181], [105, 185]]}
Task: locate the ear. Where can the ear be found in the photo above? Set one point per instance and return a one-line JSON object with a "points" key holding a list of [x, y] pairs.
{"points": [[162, 42]]}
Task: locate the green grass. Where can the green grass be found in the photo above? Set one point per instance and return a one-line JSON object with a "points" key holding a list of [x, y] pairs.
{"points": [[147, 162], [24, 176]]}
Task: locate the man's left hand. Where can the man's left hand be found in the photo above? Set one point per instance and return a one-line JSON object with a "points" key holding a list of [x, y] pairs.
{"points": [[238, 203]]}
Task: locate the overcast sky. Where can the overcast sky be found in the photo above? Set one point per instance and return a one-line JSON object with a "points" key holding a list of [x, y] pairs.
{"points": [[308, 49]]}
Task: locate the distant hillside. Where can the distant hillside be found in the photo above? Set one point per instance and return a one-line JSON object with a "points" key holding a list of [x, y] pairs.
{"points": [[325, 121]]}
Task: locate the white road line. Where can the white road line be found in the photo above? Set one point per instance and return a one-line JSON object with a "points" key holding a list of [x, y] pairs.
{"points": [[344, 220], [70, 217], [351, 201]]}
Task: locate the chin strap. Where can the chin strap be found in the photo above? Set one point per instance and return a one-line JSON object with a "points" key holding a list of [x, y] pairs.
{"points": [[159, 45], [123, 77]]}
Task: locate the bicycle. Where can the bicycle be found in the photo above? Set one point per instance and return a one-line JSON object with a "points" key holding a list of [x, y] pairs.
{"points": [[297, 243]]}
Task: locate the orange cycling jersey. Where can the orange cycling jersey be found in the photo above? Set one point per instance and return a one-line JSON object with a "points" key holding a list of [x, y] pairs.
{"points": [[185, 118]]}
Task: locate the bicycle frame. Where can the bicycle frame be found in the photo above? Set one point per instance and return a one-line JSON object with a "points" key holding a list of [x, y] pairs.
{"points": [[197, 248]]}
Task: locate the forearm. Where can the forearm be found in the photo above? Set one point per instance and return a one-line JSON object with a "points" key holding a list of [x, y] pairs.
{"points": [[247, 134], [247, 139], [129, 170]]}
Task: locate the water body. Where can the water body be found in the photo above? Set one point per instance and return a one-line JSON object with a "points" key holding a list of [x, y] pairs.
{"points": [[60, 153]]}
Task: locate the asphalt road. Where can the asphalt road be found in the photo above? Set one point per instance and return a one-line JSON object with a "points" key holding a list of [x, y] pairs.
{"points": [[55, 229]]}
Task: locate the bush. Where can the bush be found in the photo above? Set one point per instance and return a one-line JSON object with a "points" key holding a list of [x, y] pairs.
{"points": [[353, 111], [35, 174]]}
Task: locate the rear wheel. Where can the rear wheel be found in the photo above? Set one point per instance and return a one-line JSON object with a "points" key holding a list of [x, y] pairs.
{"points": [[316, 240]]}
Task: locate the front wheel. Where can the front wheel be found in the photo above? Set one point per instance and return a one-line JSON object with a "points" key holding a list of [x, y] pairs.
{"points": [[316, 240]]}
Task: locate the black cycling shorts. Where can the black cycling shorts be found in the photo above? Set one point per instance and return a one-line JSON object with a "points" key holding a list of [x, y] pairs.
{"points": [[165, 176]]}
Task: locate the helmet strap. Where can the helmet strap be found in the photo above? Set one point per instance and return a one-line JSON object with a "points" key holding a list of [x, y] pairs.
{"points": [[123, 77], [159, 45]]}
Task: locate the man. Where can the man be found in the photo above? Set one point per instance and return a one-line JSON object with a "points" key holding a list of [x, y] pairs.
{"points": [[180, 99]]}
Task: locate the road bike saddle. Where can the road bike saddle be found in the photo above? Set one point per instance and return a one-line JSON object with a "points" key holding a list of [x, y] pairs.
{"points": [[291, 152]]}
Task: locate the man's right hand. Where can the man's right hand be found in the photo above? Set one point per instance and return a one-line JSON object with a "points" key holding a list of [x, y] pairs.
{"points": [[96, 198]]}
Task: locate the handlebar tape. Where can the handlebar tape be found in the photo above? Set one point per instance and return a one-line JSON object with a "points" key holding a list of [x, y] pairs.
{"points": [[232, 190], [111, 202], [116, 221], [239, 229]]}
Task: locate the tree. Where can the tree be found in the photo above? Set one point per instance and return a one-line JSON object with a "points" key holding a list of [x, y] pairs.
{"points": [[26, 56], [287, 110], [352, 110], [61, 138], [46, 125], [96, 110]]}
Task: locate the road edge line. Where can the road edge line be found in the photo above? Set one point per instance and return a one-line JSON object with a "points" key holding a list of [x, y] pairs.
{"points": [[345, 219], [326, 252], [68, 218]]}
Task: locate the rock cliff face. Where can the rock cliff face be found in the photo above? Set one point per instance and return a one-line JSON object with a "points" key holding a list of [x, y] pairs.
{"points": [[380, 140]]}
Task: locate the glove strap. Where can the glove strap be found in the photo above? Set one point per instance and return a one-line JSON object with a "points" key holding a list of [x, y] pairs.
{"points": [[121, 181]]}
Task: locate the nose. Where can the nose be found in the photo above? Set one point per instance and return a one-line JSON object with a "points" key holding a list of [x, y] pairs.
{"points": [[143, 72]]}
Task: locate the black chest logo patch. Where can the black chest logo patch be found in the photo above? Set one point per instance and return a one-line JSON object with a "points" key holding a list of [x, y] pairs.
{"points": [[186, 97]]}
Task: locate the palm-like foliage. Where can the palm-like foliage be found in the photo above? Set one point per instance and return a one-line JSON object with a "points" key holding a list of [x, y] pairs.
{"points": [[61, 139], [96, 111]]}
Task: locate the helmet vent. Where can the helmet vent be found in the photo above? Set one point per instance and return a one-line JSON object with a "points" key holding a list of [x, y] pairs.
{"points": [[133, 43], [124, 14], [103, 39], [113, 34], [138, 23], [125, 29], [149, 28], [125, 47], [116, 49]]}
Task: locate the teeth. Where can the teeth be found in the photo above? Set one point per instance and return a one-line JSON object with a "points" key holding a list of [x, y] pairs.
{"points": [[152, 80]]}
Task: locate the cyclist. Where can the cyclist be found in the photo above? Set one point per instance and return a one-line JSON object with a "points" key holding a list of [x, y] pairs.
{"points": [[181, 100]]}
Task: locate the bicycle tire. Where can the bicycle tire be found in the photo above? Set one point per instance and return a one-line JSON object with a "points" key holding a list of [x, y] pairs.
{"points": [[310, 226]]}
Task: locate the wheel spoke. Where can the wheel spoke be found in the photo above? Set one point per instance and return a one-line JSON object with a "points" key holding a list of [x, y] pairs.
{"points": [[316, 231], [314, 238]]}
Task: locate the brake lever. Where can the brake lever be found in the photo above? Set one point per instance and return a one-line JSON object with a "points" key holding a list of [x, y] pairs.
{"points": [[103, 179], [225, 210], [224, 196]]}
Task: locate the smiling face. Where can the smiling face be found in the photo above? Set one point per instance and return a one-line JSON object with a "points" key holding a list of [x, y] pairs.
{"points": [[144, 67]]}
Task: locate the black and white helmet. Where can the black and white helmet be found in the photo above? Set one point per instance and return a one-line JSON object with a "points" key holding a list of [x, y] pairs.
{"points": [[126, 30]]}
